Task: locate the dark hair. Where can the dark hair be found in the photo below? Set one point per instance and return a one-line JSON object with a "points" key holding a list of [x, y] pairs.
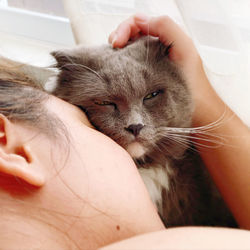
{"points": [[22, 99]]}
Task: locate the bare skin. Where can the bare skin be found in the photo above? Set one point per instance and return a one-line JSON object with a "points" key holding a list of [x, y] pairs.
{"points": [[228, 164], [57, 197], [68, 194], [185, 238]]}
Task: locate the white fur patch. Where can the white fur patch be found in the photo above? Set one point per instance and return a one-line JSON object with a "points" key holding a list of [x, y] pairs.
{"points": [[136, 150], [156, 178], [51, 84]]}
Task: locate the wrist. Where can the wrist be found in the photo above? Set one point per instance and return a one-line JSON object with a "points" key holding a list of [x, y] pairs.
{"points": [[208, 106]]}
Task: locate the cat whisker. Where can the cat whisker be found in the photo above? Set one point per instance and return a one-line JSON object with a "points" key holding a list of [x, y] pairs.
{"points": [[147, 50], [204, 137], [85, 67], [203, 145], [81, 66], [160, 149], [212, 139], [182, 142], [195, 130]]}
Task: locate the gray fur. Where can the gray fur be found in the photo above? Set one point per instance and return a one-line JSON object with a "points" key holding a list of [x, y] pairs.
{"points": [[124, 77]]}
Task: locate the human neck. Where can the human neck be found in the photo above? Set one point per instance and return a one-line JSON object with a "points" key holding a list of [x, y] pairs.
{"points": [[25, 224], [19, 231]]}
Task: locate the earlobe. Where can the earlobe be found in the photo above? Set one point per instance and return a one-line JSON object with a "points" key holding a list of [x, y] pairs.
{"points": [[2, 133], [16, 157]]}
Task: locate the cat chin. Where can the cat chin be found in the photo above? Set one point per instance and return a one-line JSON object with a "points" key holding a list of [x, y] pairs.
{"points": [[136, 150]]}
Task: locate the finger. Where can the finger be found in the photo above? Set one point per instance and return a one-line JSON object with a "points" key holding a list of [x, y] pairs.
{"points": [[111, 37], [123, 33]]}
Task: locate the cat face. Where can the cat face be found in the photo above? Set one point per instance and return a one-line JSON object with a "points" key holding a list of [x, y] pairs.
{"points": [[128, 94]]}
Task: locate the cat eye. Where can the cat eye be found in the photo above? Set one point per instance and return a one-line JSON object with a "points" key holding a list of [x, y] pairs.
{"points": [[105, 103], [152, 95]]}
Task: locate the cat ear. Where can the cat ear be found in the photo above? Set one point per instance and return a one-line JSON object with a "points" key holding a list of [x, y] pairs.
{"points": [[155, 49], [168, 49], [164, 50], [64, 58]]}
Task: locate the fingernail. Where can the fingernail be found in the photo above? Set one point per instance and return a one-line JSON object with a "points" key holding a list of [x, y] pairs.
{"points": [[141, 18], [114, 40]]}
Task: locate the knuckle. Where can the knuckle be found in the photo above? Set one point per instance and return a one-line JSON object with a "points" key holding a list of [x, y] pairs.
{"points": [[163, 21]]}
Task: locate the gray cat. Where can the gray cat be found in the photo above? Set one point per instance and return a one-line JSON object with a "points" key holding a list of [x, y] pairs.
{"points": [[139, 98]]}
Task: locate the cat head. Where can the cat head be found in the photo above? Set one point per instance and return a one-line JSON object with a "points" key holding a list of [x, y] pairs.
{"points": [[129, 94]]}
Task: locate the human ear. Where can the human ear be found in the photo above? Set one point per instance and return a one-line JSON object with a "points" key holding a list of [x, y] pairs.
{"points": [[16, 157]]}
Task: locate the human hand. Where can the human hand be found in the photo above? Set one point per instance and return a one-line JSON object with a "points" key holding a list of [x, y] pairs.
{"points": [[183, 53], [164, 28]]}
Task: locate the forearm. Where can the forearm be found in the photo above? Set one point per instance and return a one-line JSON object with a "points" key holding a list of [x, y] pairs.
{"points": [[187, 238], [228, 162]]}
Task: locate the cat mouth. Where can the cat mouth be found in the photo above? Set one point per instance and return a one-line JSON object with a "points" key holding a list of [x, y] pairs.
{"points": [[136, 149]]}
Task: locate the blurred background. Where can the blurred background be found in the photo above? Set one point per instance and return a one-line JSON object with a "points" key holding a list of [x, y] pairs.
{"points": [[31, 29]]}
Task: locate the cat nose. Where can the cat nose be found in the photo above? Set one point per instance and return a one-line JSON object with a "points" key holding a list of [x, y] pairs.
{"points": [[134, 128]]}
